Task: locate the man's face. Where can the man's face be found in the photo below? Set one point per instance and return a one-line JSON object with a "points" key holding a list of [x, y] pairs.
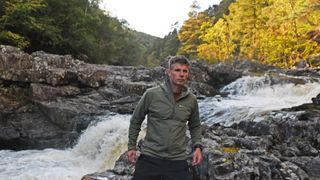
{"points": [[178, 74]]}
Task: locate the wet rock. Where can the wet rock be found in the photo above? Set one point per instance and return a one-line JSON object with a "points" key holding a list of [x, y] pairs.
{"points": [[285, 146], [223, 74], [253, 67], [44, 92], [316, 100], [28, 129], [223, 169], [311, 72], [66, 91], [121, 171]]}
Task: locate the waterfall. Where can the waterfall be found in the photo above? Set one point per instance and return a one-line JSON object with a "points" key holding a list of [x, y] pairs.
{"points": [[250, 98], [97, 150]]}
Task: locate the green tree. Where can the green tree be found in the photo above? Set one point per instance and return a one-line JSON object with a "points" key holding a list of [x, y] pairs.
{"points": [[19, 21], [82, 29], [171, 45], [77, 22], [76, 27]]}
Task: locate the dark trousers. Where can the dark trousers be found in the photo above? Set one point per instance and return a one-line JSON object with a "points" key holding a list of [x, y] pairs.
{"points": [[151, 168]]}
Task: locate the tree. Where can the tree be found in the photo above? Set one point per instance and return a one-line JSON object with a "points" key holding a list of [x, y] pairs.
{"points": [[246, 22], [191, 30], [286, 39], [171, 45], [76, 27], [260, 30], [77, 21], [218, 11], [217, 43], [19, 21]]}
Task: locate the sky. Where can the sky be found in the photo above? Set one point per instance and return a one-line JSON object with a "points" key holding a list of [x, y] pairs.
{"points": [[154, 17]]}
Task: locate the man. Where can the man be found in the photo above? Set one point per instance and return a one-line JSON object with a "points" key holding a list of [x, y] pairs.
{"points": [[170, 108]]}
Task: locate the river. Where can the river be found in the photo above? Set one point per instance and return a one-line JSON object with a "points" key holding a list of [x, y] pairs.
{"points": [[250, 98]]}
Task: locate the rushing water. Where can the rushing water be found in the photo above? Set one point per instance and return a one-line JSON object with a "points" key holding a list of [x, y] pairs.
{"points": [[250, 98], [97, 150], [102, 143]]}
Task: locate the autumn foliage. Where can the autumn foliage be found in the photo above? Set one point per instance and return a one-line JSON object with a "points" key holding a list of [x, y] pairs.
{"points": [[277, 32]]}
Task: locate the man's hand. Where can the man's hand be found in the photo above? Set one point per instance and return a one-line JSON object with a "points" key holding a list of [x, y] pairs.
{"points": [[132, 155], [197, 157]]}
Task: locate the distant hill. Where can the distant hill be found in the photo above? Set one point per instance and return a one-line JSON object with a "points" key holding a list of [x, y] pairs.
{"points": [[146, 40]]}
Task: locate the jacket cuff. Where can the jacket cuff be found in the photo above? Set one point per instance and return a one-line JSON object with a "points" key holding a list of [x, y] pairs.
{"points": [[132, 147]]}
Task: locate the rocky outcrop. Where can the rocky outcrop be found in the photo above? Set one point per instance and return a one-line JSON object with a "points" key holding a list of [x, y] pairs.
{"points": [[47, 99], [286, 145]]}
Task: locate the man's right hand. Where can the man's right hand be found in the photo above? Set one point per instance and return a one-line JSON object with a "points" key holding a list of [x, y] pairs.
{"points": [[132, 156]]}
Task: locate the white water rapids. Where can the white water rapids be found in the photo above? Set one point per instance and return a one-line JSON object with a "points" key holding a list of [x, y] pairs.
{"points": [[97, 150], [250, 98], [101, 144]]}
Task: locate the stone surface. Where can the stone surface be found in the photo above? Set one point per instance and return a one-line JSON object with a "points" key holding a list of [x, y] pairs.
{"points": [[62, 93], [280, 148], [46, 101]]}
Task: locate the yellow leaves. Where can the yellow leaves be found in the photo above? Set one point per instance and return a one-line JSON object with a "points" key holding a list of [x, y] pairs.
{"points": [[217, 43], [288, 34], [190, 32], [277, 32], [208, 52]]}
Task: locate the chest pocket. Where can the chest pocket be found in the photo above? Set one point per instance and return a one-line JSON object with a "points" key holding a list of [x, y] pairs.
{"points": [[160, 110], [183, 113]]}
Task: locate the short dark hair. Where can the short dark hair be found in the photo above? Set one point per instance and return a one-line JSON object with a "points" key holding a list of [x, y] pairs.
{"points": [[178, 59]]}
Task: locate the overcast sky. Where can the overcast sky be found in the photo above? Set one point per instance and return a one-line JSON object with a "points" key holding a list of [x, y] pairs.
{"points": [[154, 17]]}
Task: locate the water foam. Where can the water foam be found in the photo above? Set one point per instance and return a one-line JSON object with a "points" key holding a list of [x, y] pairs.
{"points": [[97, 150], [251, 98]]}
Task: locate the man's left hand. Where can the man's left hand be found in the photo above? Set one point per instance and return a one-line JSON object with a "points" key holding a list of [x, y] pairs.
{"points": [[197, 157]]}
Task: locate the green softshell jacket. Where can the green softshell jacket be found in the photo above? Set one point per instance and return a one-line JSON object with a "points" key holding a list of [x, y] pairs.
{"points": [[167, 122]]}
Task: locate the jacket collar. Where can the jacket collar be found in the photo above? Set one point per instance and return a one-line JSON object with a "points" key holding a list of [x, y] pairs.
{"points": [[166, 87]]}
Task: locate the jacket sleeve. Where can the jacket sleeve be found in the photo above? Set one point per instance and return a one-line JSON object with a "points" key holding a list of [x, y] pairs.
{"points": [[136, 120], [195, 125]]}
